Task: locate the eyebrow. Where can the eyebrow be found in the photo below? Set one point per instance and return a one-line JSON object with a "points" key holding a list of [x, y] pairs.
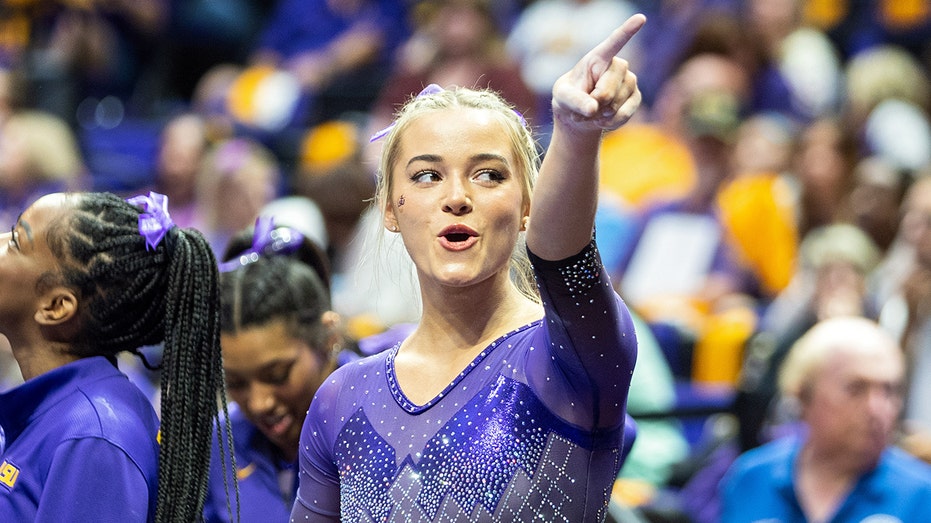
{"points": [[490, 156], [425, 158], [484, 157], [25, 226], [266, 367]]}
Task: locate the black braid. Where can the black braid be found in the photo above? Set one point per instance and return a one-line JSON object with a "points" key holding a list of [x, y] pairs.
{"points": [[276, 288], [121, 284], [132, 297]]}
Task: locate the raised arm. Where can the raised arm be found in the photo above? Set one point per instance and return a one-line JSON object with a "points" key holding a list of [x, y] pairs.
{"points": [[599, 94]]}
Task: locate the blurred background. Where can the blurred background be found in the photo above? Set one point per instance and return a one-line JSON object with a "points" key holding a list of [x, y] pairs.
{"points": [[778, 172]]}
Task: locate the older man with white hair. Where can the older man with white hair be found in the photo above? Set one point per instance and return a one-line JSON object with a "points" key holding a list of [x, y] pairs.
{"points": [[846, 375]]}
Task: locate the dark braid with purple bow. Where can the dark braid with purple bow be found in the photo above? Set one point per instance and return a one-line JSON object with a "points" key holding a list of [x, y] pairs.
{"points": [[141, 295], [276, 273]]}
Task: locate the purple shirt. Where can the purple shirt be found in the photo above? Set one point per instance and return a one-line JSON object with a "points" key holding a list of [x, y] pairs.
{"points": [[259, 469], [80, 446], [532, 428]]}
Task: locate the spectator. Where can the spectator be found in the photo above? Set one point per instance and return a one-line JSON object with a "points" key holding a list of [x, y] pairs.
{"points": [[550, 36], [238, 170], [339, 51], [181, 152], [831, 280], [846, 375], [455, 43], [39, 154], [907, 313]]}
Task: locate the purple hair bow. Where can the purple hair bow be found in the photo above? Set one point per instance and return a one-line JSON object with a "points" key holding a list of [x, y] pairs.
{"points": [[154, 222], [267, 240]]}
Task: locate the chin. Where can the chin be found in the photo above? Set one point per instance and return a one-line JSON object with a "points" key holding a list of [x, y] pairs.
{"points": [[288, 441], [871, 453], [457, 278]]}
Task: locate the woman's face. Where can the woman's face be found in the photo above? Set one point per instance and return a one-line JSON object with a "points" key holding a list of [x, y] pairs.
{"points": [[456, 196], [25, 257], [273, 377]]}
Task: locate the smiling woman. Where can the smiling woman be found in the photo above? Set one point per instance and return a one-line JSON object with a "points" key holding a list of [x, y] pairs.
{"points": [[507, 402], [83, 277], [280, 341]]}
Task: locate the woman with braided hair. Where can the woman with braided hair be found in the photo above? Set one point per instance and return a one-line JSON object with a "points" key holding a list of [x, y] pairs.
{"points": [[280, 340], [83, 277]]}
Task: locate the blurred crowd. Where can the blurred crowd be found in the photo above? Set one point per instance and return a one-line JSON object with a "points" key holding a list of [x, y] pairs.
{"points": [[777, 175]]}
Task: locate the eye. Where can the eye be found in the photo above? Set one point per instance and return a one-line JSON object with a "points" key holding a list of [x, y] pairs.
{"points": [[892, 390], [489, 176], [14, 238], [857, 388], [278, 375], [425, 176], [235, 384]]}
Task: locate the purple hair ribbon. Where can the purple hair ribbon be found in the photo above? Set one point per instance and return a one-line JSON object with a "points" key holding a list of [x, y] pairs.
{"points": [[267, 240], [427, 91], [154, 222], [523, 121], [262, 232]]}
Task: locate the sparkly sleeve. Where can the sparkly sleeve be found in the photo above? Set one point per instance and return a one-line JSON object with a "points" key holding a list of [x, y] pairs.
{"points": [[582, 365], [318, 495]]}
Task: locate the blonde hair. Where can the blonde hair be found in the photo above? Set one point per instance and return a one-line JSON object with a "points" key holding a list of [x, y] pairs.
{"points": [[51, 148], [886, 72], [811, 353], [839, 242], [521, 140]]}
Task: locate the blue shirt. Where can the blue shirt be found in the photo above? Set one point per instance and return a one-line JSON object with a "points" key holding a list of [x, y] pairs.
{"points": [[759, 487], [80, 446], [259, 467]]}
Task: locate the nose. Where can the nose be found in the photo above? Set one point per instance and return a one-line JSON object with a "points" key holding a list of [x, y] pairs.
{"points": [[261, 399], [458, 200]]}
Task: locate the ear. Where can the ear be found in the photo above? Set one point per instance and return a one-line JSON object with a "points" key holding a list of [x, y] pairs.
{"points": [[525, 214], [57, 306], [331, 320], [391, 219]]}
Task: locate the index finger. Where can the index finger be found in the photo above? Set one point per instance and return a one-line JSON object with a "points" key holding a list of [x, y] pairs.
{"points": [[618, 38]]}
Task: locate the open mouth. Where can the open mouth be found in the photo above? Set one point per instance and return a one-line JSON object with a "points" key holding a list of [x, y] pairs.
{"points": [[276, 426], [456, 237]]}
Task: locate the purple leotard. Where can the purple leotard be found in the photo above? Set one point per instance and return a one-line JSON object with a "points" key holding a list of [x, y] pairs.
{"points": [[532, 429]]}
